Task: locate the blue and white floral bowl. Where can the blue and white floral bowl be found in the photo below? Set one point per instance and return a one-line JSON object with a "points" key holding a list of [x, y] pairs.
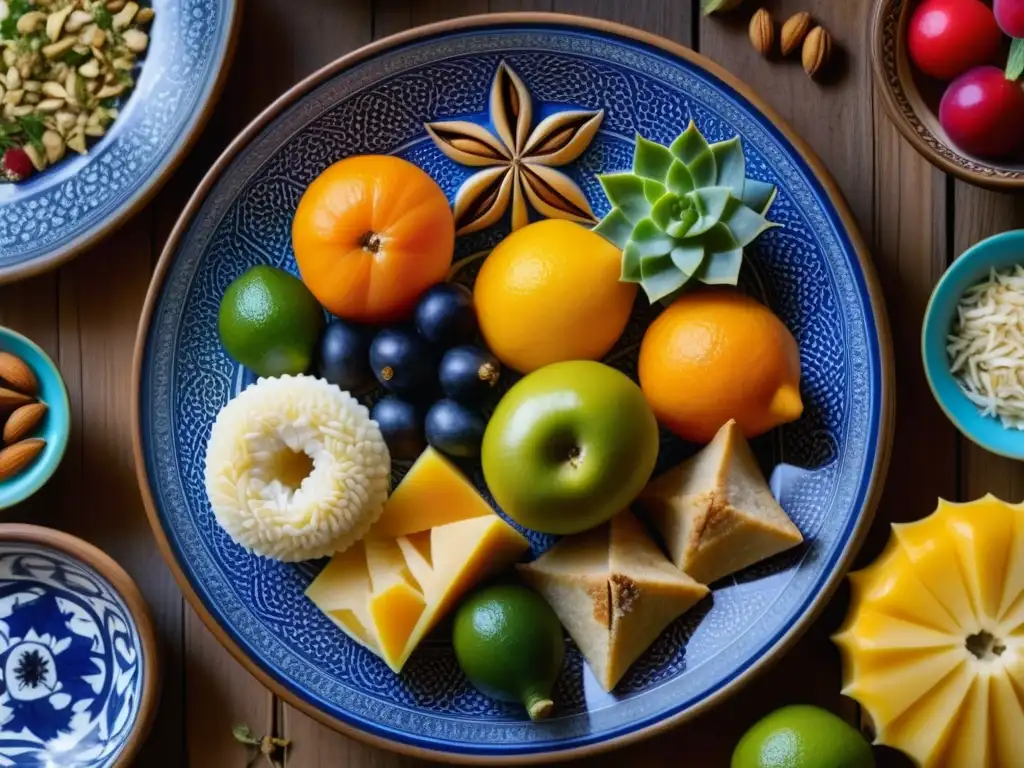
{"points": [[79, 677], [813, 272], [54, 215]]}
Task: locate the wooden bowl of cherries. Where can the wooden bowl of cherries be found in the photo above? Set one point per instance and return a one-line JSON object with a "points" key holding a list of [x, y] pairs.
{"points": [[951, 76]]}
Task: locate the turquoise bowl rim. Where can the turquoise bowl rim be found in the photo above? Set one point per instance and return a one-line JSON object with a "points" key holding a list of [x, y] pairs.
{"points": [[999, 251], [56, 428]]}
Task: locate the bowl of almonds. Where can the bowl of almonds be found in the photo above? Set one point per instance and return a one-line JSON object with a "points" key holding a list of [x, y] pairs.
{"points": [[35, 418]]}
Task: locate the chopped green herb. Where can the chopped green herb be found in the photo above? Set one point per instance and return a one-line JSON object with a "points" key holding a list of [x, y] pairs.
{"points": [[74, 58], [15, 10], [8, 135], [103, 17], [1015, 66], [110, 103], [34, 128], [81, 94]]}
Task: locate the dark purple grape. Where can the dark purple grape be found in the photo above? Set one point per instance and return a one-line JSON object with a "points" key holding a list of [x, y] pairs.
{"points": [[404, 363], [469, 374], [401, 424], [445, 315], [343, 356], [455, 429]]}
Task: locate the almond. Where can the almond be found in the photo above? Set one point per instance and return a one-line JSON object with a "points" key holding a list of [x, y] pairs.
{"points": [[794, 31], [15, 458], [9, 400], [817, 50], [17, 374], [22, 422], [762, 32]]}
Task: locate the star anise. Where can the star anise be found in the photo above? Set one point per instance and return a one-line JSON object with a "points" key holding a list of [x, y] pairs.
{"points": [[518, 165]]}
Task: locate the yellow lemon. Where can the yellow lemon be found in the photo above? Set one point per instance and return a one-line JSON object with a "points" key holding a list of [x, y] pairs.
{"points": [[550, 292], [715, 355]]}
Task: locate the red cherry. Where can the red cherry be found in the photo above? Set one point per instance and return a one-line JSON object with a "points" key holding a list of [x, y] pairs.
{"points": [[948, 37], [982, 112], [1010, 15], [17, 163]]}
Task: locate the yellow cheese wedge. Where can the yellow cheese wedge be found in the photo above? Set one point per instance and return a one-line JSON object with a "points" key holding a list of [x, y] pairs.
{"points": [[715, 511], [432, 493], [388, 592], [933, 645], [614, 591]]}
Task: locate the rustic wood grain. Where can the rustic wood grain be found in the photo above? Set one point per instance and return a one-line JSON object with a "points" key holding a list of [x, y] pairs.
{"points": [[832, 115], [911, 248]]}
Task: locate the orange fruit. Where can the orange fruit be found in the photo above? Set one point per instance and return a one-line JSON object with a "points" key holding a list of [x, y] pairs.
{"points": [[550, 292], [371, 234], [716, 355]]}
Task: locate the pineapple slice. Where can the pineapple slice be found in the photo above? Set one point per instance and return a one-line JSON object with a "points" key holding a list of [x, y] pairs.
{"points": [[933, 645]]}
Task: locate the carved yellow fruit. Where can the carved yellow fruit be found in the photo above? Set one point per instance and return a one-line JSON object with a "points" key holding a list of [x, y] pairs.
{"points": [[933, 646]]}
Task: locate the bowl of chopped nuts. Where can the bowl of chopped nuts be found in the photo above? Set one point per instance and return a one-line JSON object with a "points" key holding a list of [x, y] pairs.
{"points": [[973, 344], [99, 99]]}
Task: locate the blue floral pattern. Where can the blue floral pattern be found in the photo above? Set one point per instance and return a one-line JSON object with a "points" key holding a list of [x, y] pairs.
{"points": [[71, 670], [807, 271]]}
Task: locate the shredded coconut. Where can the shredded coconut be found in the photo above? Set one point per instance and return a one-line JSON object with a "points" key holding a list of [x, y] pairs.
{"points": [[986, 346], [296, 469]]}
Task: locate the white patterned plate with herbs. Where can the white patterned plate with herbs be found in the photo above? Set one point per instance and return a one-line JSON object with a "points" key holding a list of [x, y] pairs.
{"points": [[84, 144]]}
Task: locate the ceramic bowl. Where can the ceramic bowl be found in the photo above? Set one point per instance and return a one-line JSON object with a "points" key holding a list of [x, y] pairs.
{"points": [[54, 215], [912, 99], [78, 655], [55, 427], [999, 252]]}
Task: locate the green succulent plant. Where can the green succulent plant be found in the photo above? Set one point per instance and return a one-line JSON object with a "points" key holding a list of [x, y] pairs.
{"points": [[685, 212]]}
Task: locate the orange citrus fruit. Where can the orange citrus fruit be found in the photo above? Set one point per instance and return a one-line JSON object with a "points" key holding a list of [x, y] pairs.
{"points": [[716, 355], [550, 292], [371, 234]]}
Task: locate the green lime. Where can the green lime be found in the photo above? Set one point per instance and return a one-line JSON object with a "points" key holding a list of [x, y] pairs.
{"points": [[270, 322], [802, 736], [509, 643]]}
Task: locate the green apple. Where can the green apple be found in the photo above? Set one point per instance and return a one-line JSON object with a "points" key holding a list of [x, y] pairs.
{"points": [[569, 446]]}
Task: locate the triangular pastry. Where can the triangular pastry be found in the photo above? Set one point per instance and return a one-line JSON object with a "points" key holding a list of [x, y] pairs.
{"points": [[715, 511], [614, 592]]}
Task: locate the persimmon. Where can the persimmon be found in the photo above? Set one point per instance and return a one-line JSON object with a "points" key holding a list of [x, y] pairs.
{"points": [[371, 234]]}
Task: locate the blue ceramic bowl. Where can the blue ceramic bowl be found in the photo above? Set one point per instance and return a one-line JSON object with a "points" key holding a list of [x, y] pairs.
{"points": [[78, 655], [55, 214], [998, 252], [55, 428]]}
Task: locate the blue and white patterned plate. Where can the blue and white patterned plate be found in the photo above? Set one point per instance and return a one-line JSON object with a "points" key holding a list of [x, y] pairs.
{"points": [[76, 654], [813, 272], [55, 214]]}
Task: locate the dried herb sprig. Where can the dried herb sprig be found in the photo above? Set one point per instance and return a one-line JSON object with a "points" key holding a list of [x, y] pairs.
{"points": [[268, 746]]}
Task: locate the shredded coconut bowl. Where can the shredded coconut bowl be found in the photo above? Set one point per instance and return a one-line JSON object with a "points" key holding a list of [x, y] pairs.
{"points": [[296, 469], [973, 344]]}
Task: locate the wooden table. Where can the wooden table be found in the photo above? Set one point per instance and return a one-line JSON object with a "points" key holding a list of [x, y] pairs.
{"points": [[915, 218]]}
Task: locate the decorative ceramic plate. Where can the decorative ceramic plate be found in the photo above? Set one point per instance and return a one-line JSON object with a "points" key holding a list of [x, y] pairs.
{"points": [[813, 272], [55, 214], [77, 654]]}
